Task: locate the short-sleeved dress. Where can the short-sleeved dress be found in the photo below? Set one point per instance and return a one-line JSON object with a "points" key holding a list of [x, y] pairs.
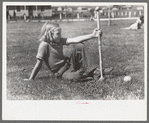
{"points": [[52, 54]]}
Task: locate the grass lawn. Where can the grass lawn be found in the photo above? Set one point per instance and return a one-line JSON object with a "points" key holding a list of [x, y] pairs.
{"points": [[122, 49]]}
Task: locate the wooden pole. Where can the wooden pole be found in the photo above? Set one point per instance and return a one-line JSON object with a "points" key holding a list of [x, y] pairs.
{"points": [[25, 13], [99, 44], [109, 21]]}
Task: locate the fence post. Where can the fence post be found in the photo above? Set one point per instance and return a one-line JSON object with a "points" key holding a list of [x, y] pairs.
{"points": [[140, 13], [36, 11], [121, 13], [118, 13], [112, 15], [129, 13], [109, 21], [24, 13], [24, 16], [78, 15]]}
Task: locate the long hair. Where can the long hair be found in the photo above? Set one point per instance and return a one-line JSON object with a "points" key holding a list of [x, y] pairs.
{"points": [[47, 30]]}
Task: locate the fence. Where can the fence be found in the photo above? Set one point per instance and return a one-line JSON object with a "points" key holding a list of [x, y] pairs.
{"points": [[76, 15]]}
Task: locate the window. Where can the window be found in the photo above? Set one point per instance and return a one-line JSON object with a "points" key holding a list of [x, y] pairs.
{"points": [[48, 7], [42, 8], [18, 8]]}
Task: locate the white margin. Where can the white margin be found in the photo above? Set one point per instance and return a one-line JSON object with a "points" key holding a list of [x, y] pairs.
{"points": [[69, 110]]}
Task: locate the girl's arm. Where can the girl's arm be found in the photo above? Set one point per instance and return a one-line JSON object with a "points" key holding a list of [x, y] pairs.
{"points": [[80, 39], [41, 55], [36, 69]]}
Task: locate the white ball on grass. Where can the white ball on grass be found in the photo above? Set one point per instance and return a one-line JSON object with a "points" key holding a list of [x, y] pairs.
{"points": [[127, 78]]}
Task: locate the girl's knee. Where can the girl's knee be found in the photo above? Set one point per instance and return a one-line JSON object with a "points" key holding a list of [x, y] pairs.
{"points": [[79, 46]]}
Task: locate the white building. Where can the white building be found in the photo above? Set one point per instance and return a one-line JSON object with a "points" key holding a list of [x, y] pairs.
{"points": [[31, 11]]}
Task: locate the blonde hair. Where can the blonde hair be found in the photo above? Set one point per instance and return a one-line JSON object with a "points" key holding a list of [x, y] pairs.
{"points": [[47, 28]]}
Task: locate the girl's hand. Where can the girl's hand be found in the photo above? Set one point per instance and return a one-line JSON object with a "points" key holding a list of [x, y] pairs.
{"points": [[97, 32]]}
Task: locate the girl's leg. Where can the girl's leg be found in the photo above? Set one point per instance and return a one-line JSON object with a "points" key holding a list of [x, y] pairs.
{"points": [[81, 59], [73, 75], [80, 63]]}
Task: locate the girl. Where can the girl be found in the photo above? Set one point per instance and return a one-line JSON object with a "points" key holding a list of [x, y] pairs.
{"points": [[137, 24], [76, 67]]}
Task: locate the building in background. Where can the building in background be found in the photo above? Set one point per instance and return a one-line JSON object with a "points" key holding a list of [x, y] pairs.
{"points": [[70, 12], [29, 11]]}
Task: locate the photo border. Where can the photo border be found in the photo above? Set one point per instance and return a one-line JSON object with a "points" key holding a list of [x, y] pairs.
{"points": [[63, 1]]}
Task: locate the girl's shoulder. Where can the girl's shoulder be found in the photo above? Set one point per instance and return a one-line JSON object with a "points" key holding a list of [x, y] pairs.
{"points": [[43, 44]]}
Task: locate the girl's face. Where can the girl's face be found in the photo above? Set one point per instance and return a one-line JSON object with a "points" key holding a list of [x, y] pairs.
{"points": [[57, 34]]}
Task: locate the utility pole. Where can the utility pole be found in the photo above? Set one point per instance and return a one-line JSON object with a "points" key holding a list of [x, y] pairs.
{"points": [[109, 14]]}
